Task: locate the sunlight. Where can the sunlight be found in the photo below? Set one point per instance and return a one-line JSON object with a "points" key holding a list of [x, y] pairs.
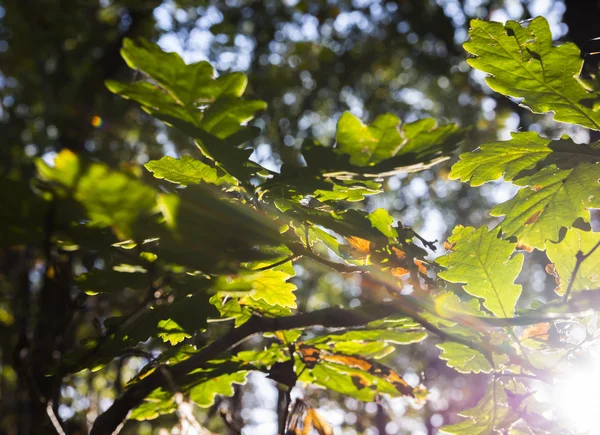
{"points": [[578, 400]]}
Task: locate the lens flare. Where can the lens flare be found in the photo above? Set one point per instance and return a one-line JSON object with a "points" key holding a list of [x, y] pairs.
{"points": [[578, 399], [96, 121]]}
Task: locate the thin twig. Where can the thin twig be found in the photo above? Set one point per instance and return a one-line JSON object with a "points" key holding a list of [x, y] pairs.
{"points": [[276, 264], [54, 419], [580, 257], [286, 409]]}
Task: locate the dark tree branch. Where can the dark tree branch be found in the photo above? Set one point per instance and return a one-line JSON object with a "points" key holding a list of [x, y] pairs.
{"points": [[330, 318]]}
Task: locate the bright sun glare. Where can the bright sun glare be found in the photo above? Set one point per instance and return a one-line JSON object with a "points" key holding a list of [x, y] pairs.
{"points": [[578, 400]]}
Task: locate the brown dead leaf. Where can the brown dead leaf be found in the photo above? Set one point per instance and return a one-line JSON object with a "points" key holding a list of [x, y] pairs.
{"points": [[400, 271], [524, 247], [399, 253], [420, 266], [314, 419], [361, 245], [551, 269], [538, 331], [449, 246]]}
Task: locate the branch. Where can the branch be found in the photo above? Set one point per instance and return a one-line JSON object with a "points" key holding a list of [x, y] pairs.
{"points": [[329, 317], [580, 257]]}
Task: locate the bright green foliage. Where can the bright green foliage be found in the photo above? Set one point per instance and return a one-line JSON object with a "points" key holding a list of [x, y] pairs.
{"points": [[187, 84], [351, 191], [212, 113], [157, 403], [481, 260], [464, 359], [201, 387], [269, 286], [564, 256], [368, 144], [187, 170], [349, 381], [381, 220], [505, 159], [387, 139], [524, 63], [558, 178], [204, 393], [553, 199], [369, 343]]}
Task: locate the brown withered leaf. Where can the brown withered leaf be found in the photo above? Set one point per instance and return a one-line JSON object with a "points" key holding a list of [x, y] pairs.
{"points": [[551, 269], [449, 246], [311, 356], [315, 421], [361, 245], [539, 331], [523, 247], [400, 254], [420, 266], [399, 271]]}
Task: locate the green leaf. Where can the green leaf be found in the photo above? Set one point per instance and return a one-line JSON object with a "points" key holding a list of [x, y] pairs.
{"points": [[519, 156], [493, 160], [187, 84], [481, 260], [385, 146], [524, 63], [382, 220], [368, 144], [349, 381], [187, 170], [225, 116], [263, 358], [171, 332], [564, 256], [268, 285], [244, 308], [65, 169], [350, 190], [156, 403], [205, 392], [155, 101], [464, 359], [553, 199], [110, 198], [491, 412], [369, 343]]}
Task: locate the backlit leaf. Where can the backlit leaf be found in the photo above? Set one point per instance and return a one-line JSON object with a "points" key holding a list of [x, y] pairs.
{"points": [[483, 262], [564, 256], [187, 170], [552, 199], [524, 63], [464, 359]]}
